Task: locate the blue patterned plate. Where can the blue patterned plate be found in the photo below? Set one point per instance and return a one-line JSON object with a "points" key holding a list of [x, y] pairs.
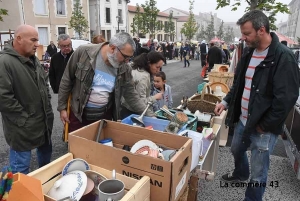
{"points": [[75, 164]]}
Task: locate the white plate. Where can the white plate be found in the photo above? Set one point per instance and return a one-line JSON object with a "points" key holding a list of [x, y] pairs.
{"points": [[143, 143], [71, 185], [75, 164]]}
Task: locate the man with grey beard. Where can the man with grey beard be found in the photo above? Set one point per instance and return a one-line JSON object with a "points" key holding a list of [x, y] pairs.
{"points": [[96, 77]]}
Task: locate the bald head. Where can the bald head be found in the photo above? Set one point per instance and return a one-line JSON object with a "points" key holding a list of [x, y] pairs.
{"points": [[26, 40]]}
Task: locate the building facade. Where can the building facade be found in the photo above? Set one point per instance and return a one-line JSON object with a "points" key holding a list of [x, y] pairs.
{"points": [[293, 27], [283, 28], [108, 17], [49, 17], [202, 19], [162, 18]]}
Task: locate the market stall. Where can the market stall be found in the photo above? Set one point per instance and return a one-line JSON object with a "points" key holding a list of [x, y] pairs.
{"points": [[159, 158]]}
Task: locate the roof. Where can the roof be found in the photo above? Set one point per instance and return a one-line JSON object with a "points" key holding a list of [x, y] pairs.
{"points": [[133, 10], [183, 11], [182, 18]]}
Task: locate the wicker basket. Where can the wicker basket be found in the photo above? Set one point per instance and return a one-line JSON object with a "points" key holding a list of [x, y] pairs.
{"points": [[226, 78], [225, 88], [204, 102]]}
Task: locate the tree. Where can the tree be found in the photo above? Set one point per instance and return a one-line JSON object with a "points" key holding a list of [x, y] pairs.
{"points": [[201, 33], [170, 28], [2, 13], [78, 21], [220, 33], [229, 35], [271, 7], [190, 27], [149, 17], [137, 24], [210, 30]]}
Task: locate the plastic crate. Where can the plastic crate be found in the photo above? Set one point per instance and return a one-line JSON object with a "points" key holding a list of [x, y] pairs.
{"points": [[157, 124], [191, 124]]}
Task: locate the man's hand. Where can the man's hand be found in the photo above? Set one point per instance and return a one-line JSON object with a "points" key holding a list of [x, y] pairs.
{"points": [[64, 116], [219, 109], [259, 130], [158, 96]]}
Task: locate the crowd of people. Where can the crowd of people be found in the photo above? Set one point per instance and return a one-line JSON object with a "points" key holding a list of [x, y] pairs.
{"points": [[116, 78]]}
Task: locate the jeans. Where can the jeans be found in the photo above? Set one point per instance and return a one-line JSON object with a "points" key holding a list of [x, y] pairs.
{"points": [[20, 160], [261, 146], [186, 61]]}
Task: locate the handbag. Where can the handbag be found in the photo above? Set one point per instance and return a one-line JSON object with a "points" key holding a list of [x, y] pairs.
{"points": [[94, 114]]}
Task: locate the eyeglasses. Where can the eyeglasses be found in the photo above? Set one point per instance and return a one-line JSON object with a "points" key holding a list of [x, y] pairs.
{"points": [[65, 46], [126, 57]]}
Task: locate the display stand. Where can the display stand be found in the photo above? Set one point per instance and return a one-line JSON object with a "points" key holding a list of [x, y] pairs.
{"points": [[206, 168], [224, 129]]}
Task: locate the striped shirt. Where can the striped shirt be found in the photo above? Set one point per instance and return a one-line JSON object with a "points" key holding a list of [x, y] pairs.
{"points": [[256, 59]]}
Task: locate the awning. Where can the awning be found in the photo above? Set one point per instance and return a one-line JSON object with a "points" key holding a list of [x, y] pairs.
{"points": [[285, 38]]}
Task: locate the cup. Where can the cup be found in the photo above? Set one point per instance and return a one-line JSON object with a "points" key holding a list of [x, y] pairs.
{"points": [[111, 189], [107, 141]]}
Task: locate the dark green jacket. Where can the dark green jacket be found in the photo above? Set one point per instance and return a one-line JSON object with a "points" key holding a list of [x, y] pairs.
{"points": [[25, 105]]}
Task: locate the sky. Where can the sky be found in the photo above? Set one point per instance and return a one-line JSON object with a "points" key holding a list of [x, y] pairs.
{"points": [[209, 6]]}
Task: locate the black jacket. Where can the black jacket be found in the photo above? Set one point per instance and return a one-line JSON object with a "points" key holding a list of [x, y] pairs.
{"points": [[214, 56], [51, 50], [57, 67], [274, 90]]}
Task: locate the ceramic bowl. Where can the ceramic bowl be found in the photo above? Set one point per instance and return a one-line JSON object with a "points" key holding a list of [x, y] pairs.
{"points": [[143, 143], [75, 164], [89, 186], [71, 185], [96, 177]]}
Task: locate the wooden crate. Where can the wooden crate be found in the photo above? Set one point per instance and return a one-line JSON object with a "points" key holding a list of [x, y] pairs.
{"points": [[136, 190]]}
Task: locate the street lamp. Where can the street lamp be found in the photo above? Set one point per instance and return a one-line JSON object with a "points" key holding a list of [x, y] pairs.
{"points": [[118, 20]]}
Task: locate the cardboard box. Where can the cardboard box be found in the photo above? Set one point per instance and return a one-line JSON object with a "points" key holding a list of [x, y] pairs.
{"points": [[168, 178], [135, 190]]}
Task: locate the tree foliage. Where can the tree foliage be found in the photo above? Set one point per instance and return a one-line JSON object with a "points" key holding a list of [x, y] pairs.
{"points": [[2, 13], [220, 33], [149, 17], [190, 27], [210, 30], [229, 35], [201, 33], [78, 22], [270, 7], [137, 23], [170, 26]]}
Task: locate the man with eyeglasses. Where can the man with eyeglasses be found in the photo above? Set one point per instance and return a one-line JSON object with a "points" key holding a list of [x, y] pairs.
{"points": [[59, 61], [96, 77]]}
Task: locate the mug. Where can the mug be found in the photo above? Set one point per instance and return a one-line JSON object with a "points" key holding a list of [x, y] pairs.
{"points": [[111, 189]]}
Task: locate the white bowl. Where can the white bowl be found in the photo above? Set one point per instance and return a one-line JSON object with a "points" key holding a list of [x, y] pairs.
{"points": [[75, 164], [71, 185]]}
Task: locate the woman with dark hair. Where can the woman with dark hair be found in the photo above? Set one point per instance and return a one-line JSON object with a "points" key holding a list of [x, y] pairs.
{"points": [[144, 66]]}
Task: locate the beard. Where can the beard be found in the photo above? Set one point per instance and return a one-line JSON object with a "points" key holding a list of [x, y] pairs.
{"points": [[112, 58], [255, 42]]}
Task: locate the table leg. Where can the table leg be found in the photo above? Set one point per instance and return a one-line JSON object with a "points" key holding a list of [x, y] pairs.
{"points": [[193, 189]]}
